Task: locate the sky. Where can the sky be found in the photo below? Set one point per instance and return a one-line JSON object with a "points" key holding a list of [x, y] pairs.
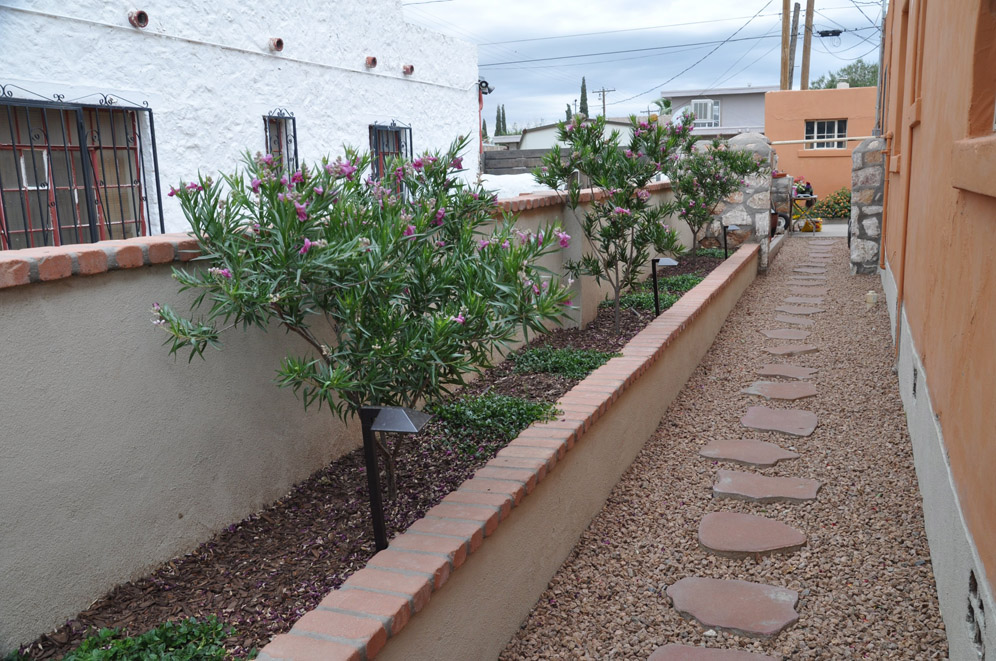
{"points": [[534, 52]]}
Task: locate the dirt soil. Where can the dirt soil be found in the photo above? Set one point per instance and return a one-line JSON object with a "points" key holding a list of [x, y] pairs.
{"points": [[261, 574]]}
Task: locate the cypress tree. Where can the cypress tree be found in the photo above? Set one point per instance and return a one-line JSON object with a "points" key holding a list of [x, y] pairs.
{"points": [[498, 121], [568, 112], [484, 129], [583, 108], [504, 121]]}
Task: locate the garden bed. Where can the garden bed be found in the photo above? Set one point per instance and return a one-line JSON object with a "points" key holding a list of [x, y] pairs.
{"points": [[262, 574]]}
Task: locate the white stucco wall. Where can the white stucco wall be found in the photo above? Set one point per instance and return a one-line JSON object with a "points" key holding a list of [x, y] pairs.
{"points": [[206, 71], [545, 137]]}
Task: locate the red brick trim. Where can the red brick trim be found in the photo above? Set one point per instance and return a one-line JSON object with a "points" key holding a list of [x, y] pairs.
{"points": [[23, 267], [399, 582]]}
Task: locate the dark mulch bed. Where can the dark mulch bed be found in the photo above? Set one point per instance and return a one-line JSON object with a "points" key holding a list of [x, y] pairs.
{"points": [[263, 573]]}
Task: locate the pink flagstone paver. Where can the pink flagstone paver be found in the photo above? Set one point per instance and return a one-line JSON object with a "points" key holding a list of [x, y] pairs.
{"points": [[798, 309], [799, 321], [787, 421], [751, 453], [809, 269], [763, 489], [749, 609], [814, 264], [814, 300], [791, 349], [675, 652], [785, 334], [786, 370], [781, 390], [818, 279], [809, 289], [736, 535]]}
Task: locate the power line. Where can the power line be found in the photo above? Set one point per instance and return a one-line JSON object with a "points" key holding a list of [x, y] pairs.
{"points": [[858, 7], [697, 62]]}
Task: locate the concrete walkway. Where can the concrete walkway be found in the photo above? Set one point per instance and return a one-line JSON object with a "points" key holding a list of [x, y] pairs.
{"points": [[775, 512]]}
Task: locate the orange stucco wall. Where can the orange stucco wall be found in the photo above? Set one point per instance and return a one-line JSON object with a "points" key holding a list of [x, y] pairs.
{"points": [[940, 228], [785, 116]]}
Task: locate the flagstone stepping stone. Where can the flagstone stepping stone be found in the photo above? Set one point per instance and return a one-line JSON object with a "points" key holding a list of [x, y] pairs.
{"points": [[786, 334], [787, 371], [740, 485], [798, 309], [809, 269], [807, 283], [787, 421], [740, 607], [791, 349], [676, 652], [781, 390], [809, 289], [748, 453], [789, 319], [815, 300], [803, 278], [815, 264], [736, 535]]}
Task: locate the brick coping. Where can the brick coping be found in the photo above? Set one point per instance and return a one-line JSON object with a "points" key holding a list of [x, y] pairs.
{"points": [[30, 265], [356, 621]]}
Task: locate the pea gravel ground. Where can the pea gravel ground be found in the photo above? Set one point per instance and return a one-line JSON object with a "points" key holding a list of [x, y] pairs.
{"points": [[865, 580]]}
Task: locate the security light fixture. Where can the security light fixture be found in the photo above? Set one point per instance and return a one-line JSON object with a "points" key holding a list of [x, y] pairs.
{"points": [[485, 87], [384, 419], [662, 261]]}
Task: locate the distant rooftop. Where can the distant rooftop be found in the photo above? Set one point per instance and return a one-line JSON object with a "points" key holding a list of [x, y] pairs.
{"points": [[718, 91]]}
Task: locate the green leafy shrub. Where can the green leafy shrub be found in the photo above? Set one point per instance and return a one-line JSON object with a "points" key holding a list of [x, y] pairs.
{"points": [[569, 362], [834, 205], [711, 252], [644, 300], [478, 425], [678, 284], [182, 640]]}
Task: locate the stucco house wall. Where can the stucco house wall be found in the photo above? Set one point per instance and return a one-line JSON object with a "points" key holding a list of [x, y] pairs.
{"points": [[545, 137], [209, 75], [785, 116], [939, 275]]}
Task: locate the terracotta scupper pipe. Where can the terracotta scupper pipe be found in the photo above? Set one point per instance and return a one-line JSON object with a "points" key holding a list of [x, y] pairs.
{"points": [[276, 44], [371, 62], [138, 18]]}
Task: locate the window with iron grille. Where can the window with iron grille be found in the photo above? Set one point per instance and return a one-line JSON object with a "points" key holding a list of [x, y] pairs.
{"points": [[280, 134], [388, 141], [826, 130], [706, 112], [74, 173]]}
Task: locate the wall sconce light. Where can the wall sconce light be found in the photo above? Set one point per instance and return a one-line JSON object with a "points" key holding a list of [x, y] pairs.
{"points": [[276, 44], [408, 69], [138, 18], [371, 61]]}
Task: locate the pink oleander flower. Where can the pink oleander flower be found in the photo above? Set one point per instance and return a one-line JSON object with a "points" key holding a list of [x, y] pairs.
{"points": [[224, 273], [440, 215], [629, 153], [347, 170], [483, 244], [569, 128], [440, 244], [156, 307], [194, 186], [565, 239], [418, 164], [268, 159], [283, 180], [281, 197], [409, 231], [644, 125], [302, 211], [256, 183], [459, 318], [620, 211], [297, 177], [319, 190], [567, 302], [643, 195], [457, 163], [172, 191], [505, 245], [306, 247], [475, 196]]}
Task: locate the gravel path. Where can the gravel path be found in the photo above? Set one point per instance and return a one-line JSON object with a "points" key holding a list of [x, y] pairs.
{"points": [[865, 580]]}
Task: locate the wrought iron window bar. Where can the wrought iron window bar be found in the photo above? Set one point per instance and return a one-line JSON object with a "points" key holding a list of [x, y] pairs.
{"points": [[280, 135], [388, 141]]}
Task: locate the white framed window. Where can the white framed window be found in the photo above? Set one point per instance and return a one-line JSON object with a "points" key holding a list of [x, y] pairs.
{"points": [[828, 131], [706, 112]]}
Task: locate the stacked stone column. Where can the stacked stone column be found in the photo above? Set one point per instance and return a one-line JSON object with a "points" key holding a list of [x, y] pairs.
{"points": [[867, 189]]}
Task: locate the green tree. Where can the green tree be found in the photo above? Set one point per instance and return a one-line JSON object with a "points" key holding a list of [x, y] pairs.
{"points": [[624, 225], [398, 290], [498, 130], [484, 129], [504, 121], [858, 74], [583, 106], [568, 117]]}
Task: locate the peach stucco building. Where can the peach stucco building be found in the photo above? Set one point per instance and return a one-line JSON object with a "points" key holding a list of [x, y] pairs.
{"points": [[939, 274], [834, 113]]}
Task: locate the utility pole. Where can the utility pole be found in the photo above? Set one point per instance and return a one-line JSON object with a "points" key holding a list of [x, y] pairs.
{"points": [[795, 38], [785, 44], [602, 92], [807, 46]]}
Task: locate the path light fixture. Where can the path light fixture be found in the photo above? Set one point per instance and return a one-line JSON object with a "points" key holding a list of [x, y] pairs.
{"points": [[663, 261], [384, 419], [726, 230]]}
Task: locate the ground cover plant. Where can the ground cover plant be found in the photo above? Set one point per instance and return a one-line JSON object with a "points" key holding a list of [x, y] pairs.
{"points": [[670, 289], [569, 362], [483, 424]]}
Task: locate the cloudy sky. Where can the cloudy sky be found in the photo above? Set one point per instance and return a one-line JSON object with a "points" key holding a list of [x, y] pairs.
{"points": [[534, 52]]}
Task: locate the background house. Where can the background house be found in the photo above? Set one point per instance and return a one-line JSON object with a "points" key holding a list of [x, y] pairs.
{"points": [[833, 113], [545, 137], [939, 276], [196, 87], [722, 113]]}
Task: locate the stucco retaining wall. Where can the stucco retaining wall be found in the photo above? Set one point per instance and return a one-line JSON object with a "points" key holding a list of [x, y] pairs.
{"points": [[519, 517]]}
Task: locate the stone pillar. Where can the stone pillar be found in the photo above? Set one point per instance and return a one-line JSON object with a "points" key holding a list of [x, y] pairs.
{"points": [[867, 185]]}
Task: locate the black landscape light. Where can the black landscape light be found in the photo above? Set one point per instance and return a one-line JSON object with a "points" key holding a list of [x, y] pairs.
{"points": [[726, 230], [663, 261], [385, 419]]}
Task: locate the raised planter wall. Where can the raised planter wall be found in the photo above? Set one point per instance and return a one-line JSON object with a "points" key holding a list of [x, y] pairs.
{"points": [[458, 584]]}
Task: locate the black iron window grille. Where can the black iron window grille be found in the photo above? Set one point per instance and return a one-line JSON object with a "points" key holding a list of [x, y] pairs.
{"points": [[280, 133], [76, 172], [388, 141]]}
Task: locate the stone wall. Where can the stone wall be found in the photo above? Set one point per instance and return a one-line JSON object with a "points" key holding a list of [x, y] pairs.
{"points": [[865, 228], [747, 209]]}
